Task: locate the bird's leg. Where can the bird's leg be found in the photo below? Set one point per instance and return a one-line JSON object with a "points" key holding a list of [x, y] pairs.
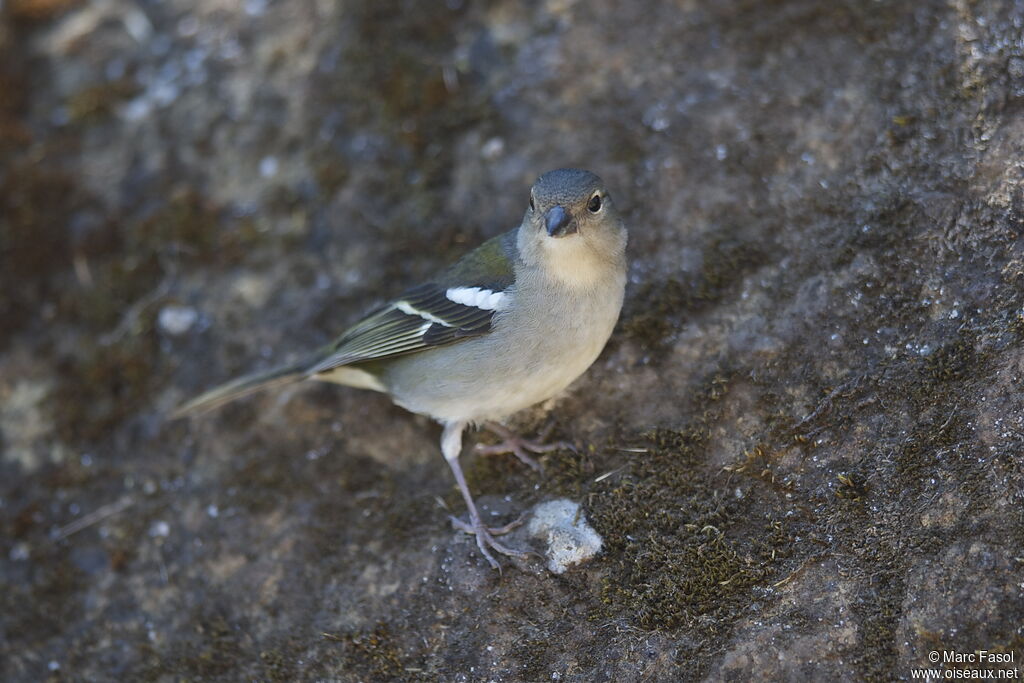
{"points": [[518, 446], [451, 447]]}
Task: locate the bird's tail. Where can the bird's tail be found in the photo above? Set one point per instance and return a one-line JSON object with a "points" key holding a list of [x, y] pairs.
{"points": [[243, 386]]}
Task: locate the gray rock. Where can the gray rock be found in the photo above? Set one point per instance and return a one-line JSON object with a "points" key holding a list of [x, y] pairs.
{"points": [[563, 528], [801, 449]]}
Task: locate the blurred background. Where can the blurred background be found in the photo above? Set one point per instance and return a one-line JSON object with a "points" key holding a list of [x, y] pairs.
{"points": [[802, 446]]}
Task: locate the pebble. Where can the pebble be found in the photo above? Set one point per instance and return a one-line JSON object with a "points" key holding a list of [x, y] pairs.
{"points": [[160, 529], [563, 526], [177, 320]]}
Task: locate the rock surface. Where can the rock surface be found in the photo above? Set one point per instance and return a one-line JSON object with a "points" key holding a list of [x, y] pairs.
{"points": [[802, 448]]}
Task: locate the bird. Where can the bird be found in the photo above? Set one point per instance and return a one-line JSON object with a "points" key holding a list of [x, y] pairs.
{"points": [[509, 325]]}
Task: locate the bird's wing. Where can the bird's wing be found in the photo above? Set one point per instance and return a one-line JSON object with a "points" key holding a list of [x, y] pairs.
{"points": [[458, 305]]}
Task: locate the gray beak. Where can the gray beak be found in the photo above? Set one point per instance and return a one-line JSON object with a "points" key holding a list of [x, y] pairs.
{"points": [[559, 222]]}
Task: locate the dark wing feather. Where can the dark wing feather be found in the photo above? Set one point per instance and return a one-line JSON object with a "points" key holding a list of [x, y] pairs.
{"points": [[424, 317], [421, 319]]}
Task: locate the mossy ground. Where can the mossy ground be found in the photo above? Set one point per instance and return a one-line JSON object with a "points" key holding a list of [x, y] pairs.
{"points": [[817, 370]]}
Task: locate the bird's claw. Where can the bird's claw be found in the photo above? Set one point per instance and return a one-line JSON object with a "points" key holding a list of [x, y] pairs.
{"points": [[485, 538], [492, 530], [520, 447]]}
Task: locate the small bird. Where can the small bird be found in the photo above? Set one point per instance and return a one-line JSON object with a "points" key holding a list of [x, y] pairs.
{"points": [[511, 324]]}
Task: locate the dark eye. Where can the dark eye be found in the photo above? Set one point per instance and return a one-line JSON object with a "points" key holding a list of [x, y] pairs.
{"points": [[532, 206], [595, 204]]}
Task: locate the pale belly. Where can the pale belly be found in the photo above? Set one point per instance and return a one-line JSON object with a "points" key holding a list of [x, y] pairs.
{"points": [[517, 365]]}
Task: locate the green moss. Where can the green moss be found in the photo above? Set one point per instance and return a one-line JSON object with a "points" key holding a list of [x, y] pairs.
{"points": [[569, 473], [14, 95], [490, 473], [528, 653], [693, 551], [103, 385], [418, 516], [656, 310], [372, 654], [331, 175], [218, 648], [681, 550], [34, 245], [188, 221], [879, 608], [685, 553], [648, 319], [416, 108], [952, 362], [851, 487], [47, 592], [111, 374], [279, 666], [96, 102]]}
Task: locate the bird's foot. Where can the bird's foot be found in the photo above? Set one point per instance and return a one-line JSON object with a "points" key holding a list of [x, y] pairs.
{"points": [[520, 447], [485, 538]]}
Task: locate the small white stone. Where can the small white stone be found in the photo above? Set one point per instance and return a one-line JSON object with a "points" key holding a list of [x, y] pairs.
{"points": [[137, 109], [492, 149], [160, 529], [563, 526], [138, 25], [176, 320], [268, 167]]}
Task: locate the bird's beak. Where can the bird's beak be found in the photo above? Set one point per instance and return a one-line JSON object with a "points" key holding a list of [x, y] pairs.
{"points": [[559, 222]]}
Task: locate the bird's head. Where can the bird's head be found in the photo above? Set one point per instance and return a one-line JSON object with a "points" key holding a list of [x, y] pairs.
{"points": [[571, 228]]}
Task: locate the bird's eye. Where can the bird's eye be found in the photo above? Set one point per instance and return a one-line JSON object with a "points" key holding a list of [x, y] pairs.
{"points": [[532, 205], [595, 204]]}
